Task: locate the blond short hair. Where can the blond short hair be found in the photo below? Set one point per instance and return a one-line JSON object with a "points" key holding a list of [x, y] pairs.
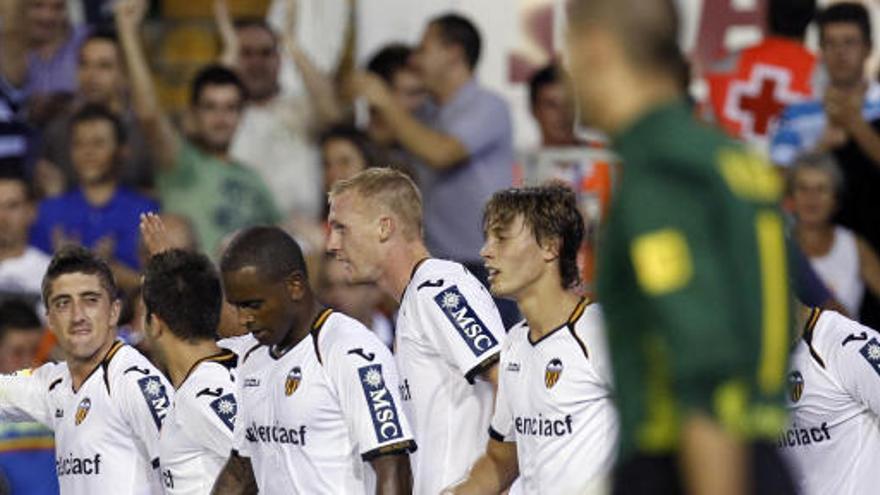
{"points": [[390, 189]]}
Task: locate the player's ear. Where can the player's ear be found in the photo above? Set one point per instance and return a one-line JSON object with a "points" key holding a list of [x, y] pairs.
{"points": [[550, 248], [386, 228], [115, 311], [296, 285]]}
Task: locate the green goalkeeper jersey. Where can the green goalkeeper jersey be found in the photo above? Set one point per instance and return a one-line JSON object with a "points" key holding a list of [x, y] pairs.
{"points": [[693, 282]]}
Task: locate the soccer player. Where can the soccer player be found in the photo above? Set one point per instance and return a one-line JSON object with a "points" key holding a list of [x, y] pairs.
{"points": [[449, 332], [107, 402], [182, 295], [834, 401], [318, 395], [692, 276], [555, 424]]}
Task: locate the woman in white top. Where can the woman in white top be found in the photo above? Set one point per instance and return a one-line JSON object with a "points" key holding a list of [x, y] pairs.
{"points": [[842, 259]]}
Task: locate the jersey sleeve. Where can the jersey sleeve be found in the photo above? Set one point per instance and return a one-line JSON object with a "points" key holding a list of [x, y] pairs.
{"points": [[462, 322], [366, 379], [144, 396], [854, 357], [24, 396], [211, 417], [501, 426], [710, 265], [593, 337], [239, 441]]}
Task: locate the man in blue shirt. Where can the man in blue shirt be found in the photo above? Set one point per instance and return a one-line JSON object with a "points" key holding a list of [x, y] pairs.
{"points": [[850, 102], [98, 213], [462, 140]]}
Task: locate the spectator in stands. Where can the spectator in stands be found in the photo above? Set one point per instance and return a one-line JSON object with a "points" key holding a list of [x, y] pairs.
{"points": [[27, 454], [15, 134], [552, 107], [21, 266], [196, 176], [360, 301], [748, 89], [102, 81], [20, 333], [843, 260], [850, 101], [276, 135], [392, 64], [345, 151], [463, 141], [98, 212], [845, 122], [53, 47]]}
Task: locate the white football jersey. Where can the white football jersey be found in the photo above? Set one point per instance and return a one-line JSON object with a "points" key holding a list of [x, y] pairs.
{"points": [[448, 332], [196, 436], [107, 432], [309, 418], [239, 344], [555, 401], [833, 436]]}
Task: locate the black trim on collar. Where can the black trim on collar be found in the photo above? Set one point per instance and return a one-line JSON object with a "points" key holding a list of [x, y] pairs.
{"points": [[575, 315], [412, 275], [105, 362], [416, 267], [317, 325], [809, 330], [225, 357], [250, 351]]}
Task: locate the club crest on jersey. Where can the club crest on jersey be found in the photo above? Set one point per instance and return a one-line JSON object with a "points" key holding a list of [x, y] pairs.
{"points": [[291, 383], [795, 386], [225, 408], [383, 411], [156, 396], [463, 317], [82, 410], [871, 353], [552, 372]]}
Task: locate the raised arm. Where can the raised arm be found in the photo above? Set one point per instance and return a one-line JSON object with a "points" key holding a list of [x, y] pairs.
{"points": [[236, 478], [320, 88], [223, 20], [438, 150], [13, 42], [160, 134], [493, 472]]}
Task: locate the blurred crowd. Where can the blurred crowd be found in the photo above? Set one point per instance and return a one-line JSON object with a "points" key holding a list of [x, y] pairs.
{"points": [[88, 144]]}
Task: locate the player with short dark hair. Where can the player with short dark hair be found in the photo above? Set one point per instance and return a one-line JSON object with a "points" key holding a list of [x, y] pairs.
{"points": [[693, 268], [183, 297], [319, 395], [555, 385], [106, 403]]}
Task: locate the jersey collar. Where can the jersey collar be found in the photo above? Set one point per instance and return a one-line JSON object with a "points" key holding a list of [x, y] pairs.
{"points": [[314, 329], [575, 315], [225, 357]]}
